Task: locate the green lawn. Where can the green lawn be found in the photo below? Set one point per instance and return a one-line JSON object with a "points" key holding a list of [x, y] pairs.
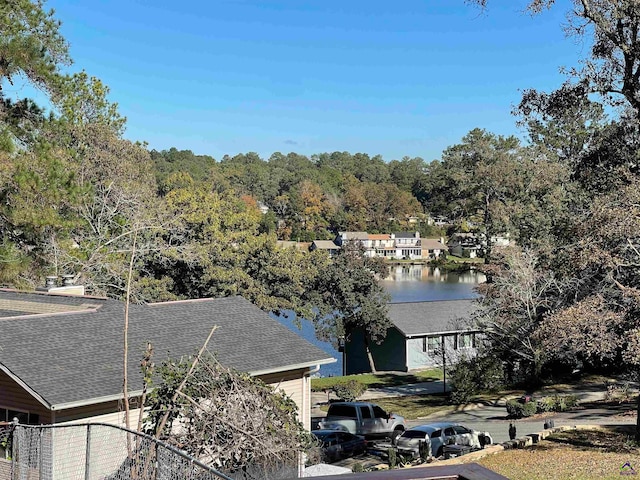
{"points": [[370, 380], [454, 259], [416, 406]]}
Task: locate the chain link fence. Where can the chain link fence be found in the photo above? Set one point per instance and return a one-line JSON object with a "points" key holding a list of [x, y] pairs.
{"points": [[99, 451]]}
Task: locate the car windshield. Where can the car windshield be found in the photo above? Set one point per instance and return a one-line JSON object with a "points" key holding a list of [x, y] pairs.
{"points": [[414, 434]]}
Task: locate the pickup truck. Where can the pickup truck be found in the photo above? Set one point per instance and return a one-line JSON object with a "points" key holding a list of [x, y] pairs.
{"points": [[363, 418]]}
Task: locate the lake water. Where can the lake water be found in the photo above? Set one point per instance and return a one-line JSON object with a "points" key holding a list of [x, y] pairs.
{"points": [[406, 283]]}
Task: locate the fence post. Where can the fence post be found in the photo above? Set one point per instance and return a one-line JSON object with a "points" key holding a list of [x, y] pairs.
{"points": [[41, 476], [87, 456]]}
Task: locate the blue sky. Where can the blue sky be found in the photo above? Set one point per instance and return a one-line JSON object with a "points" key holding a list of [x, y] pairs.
{"points": [[393, 78]]}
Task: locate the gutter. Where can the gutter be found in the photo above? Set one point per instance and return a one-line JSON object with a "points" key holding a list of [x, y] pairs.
{"points": [[93, 401], [137, 393], [432, 334]]}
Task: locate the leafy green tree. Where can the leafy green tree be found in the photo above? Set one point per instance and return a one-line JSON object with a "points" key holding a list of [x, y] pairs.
{"points": [[478, 179], [248, 173], [31, 44], [346, 296], [563, 124], [407, 172], [166, 162]]}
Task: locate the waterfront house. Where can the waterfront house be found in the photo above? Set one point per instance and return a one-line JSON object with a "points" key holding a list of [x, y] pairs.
{"points": [[360, 237], [383, 244], [408, 245], [326, 245], [464, 245], [433, 248], [415, 340]]}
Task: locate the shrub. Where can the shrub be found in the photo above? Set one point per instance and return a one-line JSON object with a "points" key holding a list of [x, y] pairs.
{"points": [[546, 404], [357, 468], [529, 409], [513, 408], [561, 405], [349, 390], [393, 459], [557, 403], [474, 375], [618, 393], [464, 384], [571, 401], [517, 409]]}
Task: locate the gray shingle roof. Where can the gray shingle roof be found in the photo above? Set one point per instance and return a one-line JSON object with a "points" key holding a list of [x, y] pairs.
{"points": [[325, 245], [354, 235], [75, 357], [14, 303], [405, 234], [424, 318], [431, 244]]}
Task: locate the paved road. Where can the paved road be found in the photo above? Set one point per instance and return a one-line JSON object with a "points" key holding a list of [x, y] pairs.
{"points": [[493, 419], [423, 388]]}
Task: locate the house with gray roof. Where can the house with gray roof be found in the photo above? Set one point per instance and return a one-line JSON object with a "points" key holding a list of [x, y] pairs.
{"points": [[415, 341], [326, 245], [408, 245], [61, 357], [433, 248], [465, 245]]}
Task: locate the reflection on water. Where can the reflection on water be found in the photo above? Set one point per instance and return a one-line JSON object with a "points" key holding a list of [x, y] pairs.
{"points": [[406, 283], [419, 283]]}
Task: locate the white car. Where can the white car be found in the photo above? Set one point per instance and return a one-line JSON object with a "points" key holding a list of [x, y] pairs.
{"points": [[439, 435]]}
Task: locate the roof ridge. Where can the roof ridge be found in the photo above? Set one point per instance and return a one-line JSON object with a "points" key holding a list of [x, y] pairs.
{"points": [[50, 294], [50, 314], [186, 300]]}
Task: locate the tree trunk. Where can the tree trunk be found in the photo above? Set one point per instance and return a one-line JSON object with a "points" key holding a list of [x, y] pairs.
{"points": [[638, 420], [372, 364], [487, 230]]}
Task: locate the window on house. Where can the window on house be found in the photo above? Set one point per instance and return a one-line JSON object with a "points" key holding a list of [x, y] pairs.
{"points": [[431, 344], [466, 340], [27, 418]]}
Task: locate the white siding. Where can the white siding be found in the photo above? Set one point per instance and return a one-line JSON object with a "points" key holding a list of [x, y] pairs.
{"points": [[297, 386]]}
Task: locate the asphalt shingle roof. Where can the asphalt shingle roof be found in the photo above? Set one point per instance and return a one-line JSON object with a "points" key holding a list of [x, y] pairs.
{"points": [[13, 303], [77, 356], [405, 234], [424, 318], [431, 244], [325, 244], [354, 235]]}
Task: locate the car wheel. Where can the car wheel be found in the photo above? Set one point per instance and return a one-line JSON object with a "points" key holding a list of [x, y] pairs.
{"points": [[394, 436]]}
